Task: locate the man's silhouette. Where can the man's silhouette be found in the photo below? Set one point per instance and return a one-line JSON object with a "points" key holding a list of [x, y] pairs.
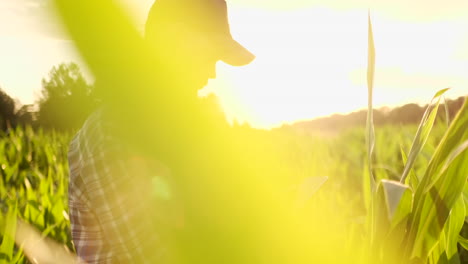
{"points": [[111, 185]]}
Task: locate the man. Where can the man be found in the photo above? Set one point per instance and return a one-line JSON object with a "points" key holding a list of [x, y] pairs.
{"points": [[112, 185]]}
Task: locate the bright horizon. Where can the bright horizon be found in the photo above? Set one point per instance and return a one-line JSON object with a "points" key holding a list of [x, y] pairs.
{"points": [[311, 57]]}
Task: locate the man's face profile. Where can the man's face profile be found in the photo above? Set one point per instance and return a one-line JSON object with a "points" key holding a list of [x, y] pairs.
{"points": [[194, 53], [192, 36]]}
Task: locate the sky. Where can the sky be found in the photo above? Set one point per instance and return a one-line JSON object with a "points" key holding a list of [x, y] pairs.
{"points": [[311, 55]]}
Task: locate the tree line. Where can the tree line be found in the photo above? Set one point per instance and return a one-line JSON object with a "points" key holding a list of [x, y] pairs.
{"points": [[403, 115], [67, 99]]}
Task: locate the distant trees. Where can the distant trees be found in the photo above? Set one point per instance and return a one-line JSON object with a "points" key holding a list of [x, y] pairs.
{"points": [[66, 99], [26, 115], [65, 102], [407, 114], [7, 110], [403, 115]]}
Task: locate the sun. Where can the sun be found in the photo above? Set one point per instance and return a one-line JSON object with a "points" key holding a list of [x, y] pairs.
{"points": [[301, 70]]}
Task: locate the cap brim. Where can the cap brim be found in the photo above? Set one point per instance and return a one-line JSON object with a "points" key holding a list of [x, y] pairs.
{"points": [[235, 54]]}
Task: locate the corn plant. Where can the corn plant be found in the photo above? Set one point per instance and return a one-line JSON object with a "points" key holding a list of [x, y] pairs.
{"points": [[33, 187], [419, 218]]}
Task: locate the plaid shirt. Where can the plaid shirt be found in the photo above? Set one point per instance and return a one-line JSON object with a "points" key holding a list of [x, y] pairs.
{"points": [[110, 220]]}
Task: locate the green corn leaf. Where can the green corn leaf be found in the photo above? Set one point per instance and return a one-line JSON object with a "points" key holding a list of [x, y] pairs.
{"points": [[8, 233], [397, 202], [465, 198], [463, 242], [366, 187], [459, 150], [433, 205], [401, 215], [49, 230], [394, 192], [392, 204], [2, 223], [423, 132], [370, 135], [413, 180], [374, 219], [18, 257], [380, 219], [438, 252], [453, 227]]}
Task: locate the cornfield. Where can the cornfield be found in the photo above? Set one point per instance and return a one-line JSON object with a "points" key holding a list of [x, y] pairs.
{"points": [[373, 195], [35, 172]]}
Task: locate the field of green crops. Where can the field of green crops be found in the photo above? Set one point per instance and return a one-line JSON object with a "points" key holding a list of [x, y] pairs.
{"points": [[34, 171], [370, 195], [33, 186]]}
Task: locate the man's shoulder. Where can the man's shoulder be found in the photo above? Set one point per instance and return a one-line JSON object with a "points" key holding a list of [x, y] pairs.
{"points": [[92, 133], [94, 123]]}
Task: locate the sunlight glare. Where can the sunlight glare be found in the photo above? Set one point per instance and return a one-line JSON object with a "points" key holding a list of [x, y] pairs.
{"points": [[301, 70], [312, 62]]}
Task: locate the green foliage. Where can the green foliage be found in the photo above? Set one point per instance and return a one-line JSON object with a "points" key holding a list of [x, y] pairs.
{"points": [[33, 187], [7, 110], [344, 219], [407, 228], [38, 186], [66, 99], [8, 241], [440, 188], [422, 134]]}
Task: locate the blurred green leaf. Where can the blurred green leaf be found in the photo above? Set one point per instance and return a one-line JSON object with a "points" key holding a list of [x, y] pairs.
{"points": [[8, 233], [308, 188], [463, 242], [366, 187], [370, 136]]}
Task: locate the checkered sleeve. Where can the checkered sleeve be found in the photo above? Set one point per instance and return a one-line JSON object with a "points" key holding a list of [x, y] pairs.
{"points": [[114, 202]]}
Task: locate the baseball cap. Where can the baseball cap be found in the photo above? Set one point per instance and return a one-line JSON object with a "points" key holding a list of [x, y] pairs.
{"points": [[208, 17]]}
